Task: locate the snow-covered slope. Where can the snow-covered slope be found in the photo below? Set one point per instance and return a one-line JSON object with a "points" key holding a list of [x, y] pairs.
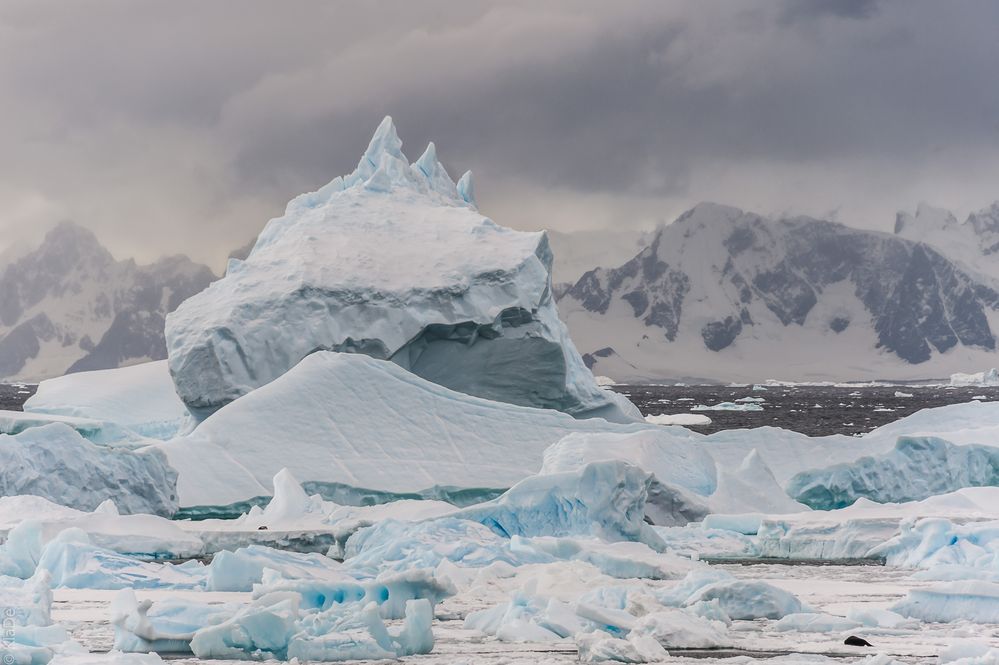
{"points": [[974, 243], [70, 306], [349, 422], [729, 295], [395, 262]]}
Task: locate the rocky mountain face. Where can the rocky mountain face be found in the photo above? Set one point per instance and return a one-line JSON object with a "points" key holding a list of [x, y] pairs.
{"points": [[69, 306], [722, 281]]}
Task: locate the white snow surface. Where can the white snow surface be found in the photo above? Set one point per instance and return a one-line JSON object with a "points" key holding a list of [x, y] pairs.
{"points": [[682, 419], [364, 423], [987, 378], [140, 398], [394, 262]]}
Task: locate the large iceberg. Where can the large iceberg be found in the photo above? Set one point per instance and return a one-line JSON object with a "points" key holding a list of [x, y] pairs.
{"points": [[350, 426], [392, 261]]}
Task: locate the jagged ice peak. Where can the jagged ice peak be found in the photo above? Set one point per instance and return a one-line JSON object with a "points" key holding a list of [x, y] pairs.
{"points": [[384, 168]]}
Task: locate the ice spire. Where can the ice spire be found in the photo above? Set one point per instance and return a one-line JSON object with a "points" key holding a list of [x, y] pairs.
{"points": [[386, 141], [466, 189], [427, 162], [436, 176], [383, 166]]}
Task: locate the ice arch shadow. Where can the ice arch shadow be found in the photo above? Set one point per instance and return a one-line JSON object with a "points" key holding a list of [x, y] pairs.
{"points": [[509, 360]]}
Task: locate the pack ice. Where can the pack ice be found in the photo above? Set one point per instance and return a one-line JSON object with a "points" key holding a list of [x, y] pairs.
{"points": [[392, 261]]}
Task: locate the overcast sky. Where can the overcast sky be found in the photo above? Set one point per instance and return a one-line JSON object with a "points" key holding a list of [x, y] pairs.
{"points": [[184, 126]]}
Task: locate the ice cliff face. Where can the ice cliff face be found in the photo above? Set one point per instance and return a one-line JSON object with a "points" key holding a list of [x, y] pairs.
{"points": [[719, 278], [70, 306], [392, 261]]}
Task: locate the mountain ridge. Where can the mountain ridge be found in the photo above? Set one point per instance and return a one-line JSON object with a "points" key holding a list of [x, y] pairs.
{"points": [[68, 305], [723, 283]]}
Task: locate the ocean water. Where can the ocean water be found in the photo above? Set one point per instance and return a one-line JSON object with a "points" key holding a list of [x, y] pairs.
{"points": [[812, 410], [13, 395]]}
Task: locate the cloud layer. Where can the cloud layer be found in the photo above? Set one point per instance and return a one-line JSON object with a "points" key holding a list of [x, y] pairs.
{"points": [[184, 126]]}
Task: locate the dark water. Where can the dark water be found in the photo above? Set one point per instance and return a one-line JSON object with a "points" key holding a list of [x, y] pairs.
{"points": [[13, 395], [815, 411], [811, 410]]}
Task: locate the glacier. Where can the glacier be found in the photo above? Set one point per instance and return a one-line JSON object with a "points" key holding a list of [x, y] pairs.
{"points": [[392, 261]]}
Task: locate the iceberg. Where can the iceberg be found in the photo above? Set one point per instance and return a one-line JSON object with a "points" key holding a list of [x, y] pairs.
{"points": [[971, 600], [29, 637], [603, 499], [621, 559], [601, 648], [727, 406], [271, 626], [351, 426], [150, 536], [392, 545], [390, 591], [730, 597], [684, 473], [392, 261], [748, 599], [814, 622], [57, 463], [241, 569], [73, 561], [682, 419], [674, 459], [751, 484], [139, 399], [166, 626], [987, 379], [527, 618], [918, 467], [27, 602], [15, 422]]}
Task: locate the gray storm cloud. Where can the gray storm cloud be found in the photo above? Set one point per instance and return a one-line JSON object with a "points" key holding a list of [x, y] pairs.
{"points": [[184, 126]]}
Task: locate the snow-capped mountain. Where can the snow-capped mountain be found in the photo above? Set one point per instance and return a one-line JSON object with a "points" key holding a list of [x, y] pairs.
{"points": [[973, 243], [69, 306], [730, 295]]}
